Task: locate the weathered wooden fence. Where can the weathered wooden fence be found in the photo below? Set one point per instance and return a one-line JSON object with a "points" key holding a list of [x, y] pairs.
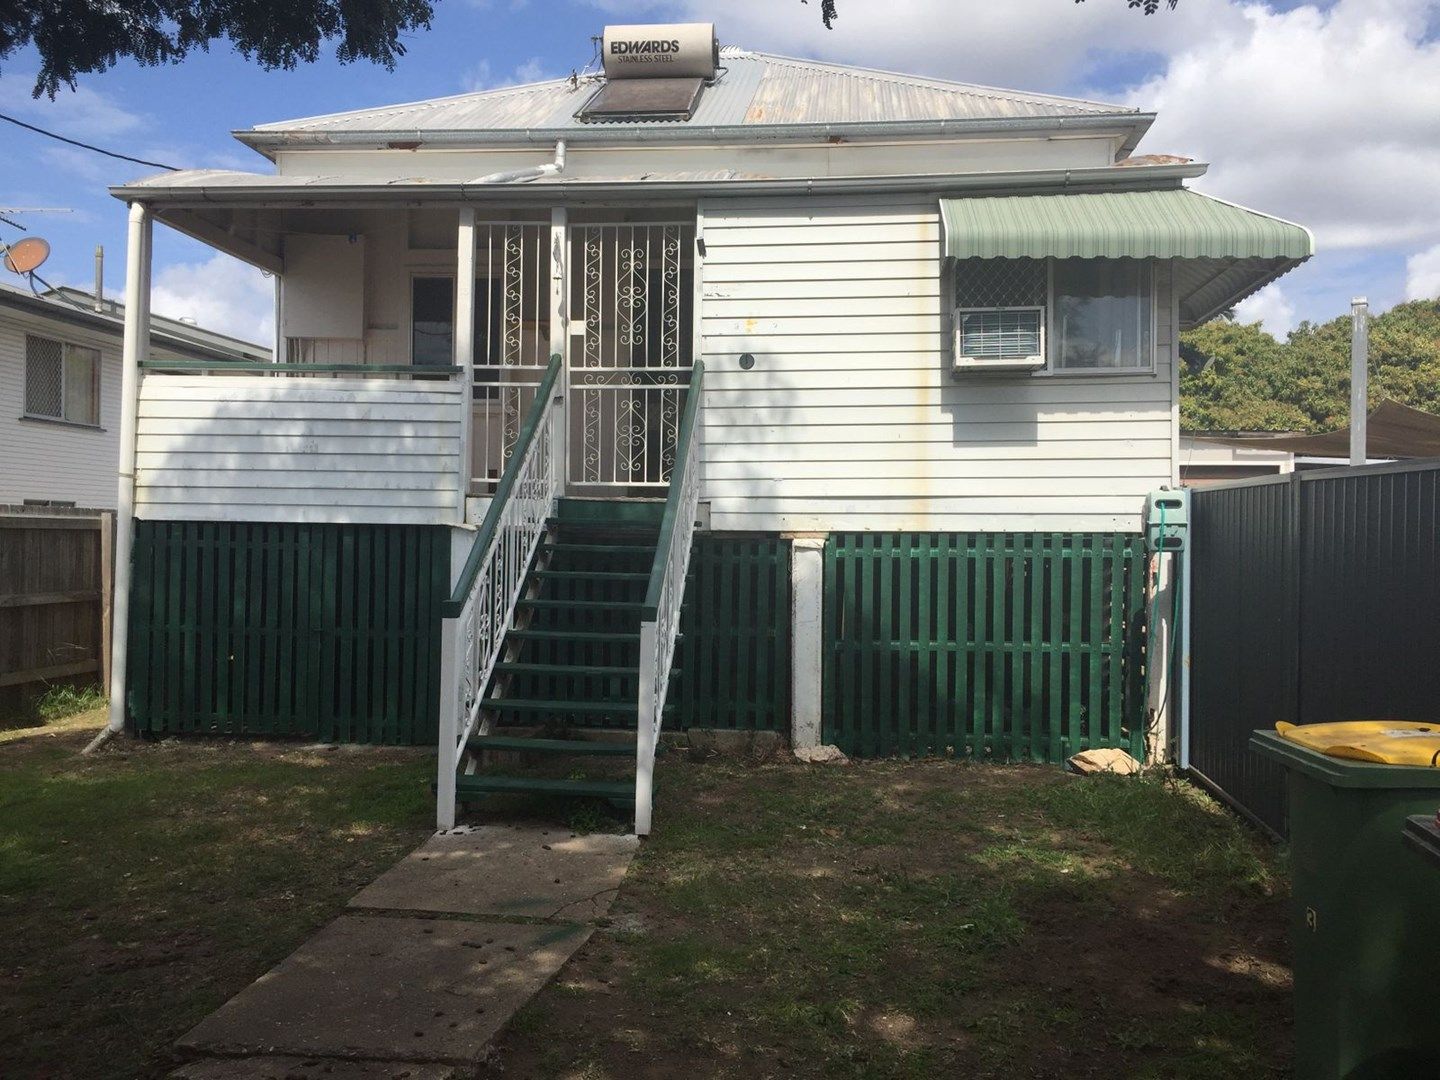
{"points": [[1015, 646], [54, 598], [1314, 598]]}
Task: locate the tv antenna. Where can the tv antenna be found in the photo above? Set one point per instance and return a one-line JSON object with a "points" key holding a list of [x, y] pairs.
{"points": [[7, 212]]}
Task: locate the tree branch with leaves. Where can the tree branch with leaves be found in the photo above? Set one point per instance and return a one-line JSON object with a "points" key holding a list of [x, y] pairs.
{"points": [[82, 37], [1149, 7]]}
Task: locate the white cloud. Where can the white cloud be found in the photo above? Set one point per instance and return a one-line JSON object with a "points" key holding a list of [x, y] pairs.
{"points": [[1271, 308], [1328, 117], [1422, 275], [80, 113], [482, 75], [221, 294]]}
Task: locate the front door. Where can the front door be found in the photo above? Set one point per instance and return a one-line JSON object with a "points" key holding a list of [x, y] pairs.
{"points": [[631, 308]]}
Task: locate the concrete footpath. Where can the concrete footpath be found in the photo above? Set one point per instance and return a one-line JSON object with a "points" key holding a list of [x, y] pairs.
{"points": [[434, 958]]}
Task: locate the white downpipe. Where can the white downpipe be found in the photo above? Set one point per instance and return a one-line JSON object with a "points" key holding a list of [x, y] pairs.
{"points": [[524, 176], [136, 341]]}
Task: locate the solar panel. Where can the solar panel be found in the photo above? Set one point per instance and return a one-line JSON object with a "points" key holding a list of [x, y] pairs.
{"points": [[643, 99]]}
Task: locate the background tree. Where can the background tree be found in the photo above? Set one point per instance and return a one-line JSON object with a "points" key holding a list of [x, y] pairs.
{"points": [[81, 37], [1239, 378]]}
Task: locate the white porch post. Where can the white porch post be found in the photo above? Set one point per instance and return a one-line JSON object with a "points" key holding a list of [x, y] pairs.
{"points": [[465, 344], [807, 575], [136, 344], [560, 328], [450, 705]]}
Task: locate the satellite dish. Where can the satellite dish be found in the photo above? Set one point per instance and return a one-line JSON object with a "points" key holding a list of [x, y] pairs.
{"points": [[26, 255]]}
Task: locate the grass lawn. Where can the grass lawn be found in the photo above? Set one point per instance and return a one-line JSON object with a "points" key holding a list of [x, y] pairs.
{"points": [[928, 919], [931, 919], [143, 886]]}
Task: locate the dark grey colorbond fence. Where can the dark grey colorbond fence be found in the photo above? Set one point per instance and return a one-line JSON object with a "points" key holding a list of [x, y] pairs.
{"points": [[1314, 597]]}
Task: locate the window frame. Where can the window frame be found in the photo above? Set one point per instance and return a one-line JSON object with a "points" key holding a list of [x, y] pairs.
{"points": [[1051, 368], [96, 379], [1049, 345]]}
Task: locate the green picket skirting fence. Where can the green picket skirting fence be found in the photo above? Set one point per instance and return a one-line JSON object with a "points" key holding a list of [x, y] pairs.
{"points": [[1013, 646], [734, 653], [329, 632]]}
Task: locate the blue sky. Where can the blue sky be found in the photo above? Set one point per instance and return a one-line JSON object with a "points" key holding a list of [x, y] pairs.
{"points": [[1327, 114]]}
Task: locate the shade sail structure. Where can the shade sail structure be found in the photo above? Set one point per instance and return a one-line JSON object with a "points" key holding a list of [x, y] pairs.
{"points": [[1224, 252], [1392, 430]]}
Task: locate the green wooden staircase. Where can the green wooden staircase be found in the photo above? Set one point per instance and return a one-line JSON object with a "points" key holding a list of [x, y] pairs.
{"points": [[559, 714]]}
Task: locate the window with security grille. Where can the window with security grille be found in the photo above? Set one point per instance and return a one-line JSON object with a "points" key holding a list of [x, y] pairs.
{"points": [[1000, 310], [62, 381]]}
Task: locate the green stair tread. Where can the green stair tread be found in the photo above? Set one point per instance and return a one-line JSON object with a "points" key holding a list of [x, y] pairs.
{"points": [[619, 606], [630, 529], [595, 670], [589, 637], [574, 708], [541, 705], [592, 575], [597, 747], [599, 549], [619, 790]]}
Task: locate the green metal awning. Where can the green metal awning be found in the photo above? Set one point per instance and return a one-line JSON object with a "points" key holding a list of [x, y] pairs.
{"points": [[1229, 252]]}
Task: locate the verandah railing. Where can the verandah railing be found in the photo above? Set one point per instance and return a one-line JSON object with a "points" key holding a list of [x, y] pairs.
{"points": [[483, 602], [660, 619]]}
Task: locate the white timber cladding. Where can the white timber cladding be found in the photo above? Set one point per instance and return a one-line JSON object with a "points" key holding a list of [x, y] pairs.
{"points": [[238, 448], [850, 418], [54, 460]]}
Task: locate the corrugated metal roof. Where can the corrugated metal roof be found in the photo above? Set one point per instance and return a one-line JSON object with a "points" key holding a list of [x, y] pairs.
{"points": [[1173, 224], [754, 90]]}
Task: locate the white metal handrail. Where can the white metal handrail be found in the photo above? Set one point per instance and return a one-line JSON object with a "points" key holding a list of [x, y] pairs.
{"points": [[660, 621], [480, 610]]}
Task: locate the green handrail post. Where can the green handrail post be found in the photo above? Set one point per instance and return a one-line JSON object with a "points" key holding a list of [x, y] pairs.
{"points": [[456, 604], [672, 500]]}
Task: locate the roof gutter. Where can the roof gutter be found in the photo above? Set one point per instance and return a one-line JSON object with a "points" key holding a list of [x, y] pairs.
{"points": [[382, 194], [268, 141]]}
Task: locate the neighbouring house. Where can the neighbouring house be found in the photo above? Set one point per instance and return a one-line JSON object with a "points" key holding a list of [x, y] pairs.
{"points": [[709, 389], [1203, 460], [60, 391]]}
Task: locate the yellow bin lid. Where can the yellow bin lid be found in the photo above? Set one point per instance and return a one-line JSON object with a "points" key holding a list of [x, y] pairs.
{"points": [[1388, 742]]}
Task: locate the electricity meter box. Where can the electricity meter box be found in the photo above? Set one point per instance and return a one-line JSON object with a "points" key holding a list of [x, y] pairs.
{"points": [[1167, 519]]}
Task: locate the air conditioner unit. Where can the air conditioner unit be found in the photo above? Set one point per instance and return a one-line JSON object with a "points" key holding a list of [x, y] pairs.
{"points": [[999, 339]]}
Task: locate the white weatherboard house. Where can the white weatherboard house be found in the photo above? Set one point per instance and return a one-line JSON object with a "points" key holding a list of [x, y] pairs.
{"points": [[60, 391], [716, 389]]}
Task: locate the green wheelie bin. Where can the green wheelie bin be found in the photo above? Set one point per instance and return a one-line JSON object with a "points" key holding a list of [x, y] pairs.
{"points": [[1365, 911]]}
